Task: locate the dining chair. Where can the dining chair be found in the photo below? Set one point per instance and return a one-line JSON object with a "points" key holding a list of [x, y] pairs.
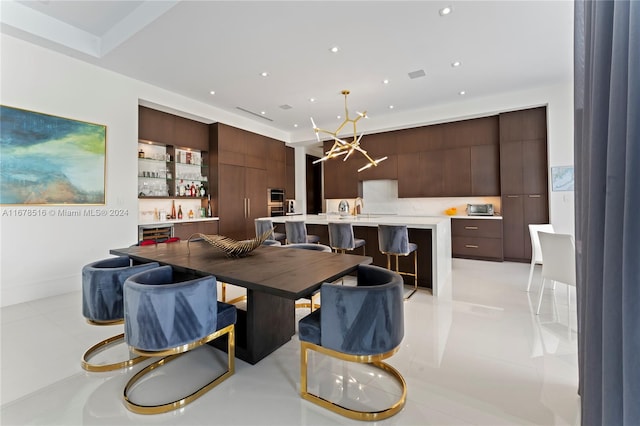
{"points": [[393, 240], [296, 231], [262, 225], [167, 315], [536, 253], [559, 262], [362, 324], [341, 237], [103, 304]]}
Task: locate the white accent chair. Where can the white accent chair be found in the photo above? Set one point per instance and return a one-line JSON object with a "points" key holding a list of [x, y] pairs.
{"points": [[559, 254], [536, 253]]}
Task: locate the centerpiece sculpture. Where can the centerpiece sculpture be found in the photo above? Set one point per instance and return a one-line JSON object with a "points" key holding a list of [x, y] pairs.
{"points": [[231, 247]]}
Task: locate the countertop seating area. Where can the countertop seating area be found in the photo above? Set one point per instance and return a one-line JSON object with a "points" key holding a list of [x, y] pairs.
{"points": [[361, 324], [103, 304], [168, 314]]}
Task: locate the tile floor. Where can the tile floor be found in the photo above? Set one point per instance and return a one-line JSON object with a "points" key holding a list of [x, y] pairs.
{"points": [[481, 358]]}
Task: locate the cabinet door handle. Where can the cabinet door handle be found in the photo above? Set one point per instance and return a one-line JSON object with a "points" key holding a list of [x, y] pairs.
{"points": [[470, 227], [513, 196], [471, 246], [535, 196], [248, 207], [244, 203]]}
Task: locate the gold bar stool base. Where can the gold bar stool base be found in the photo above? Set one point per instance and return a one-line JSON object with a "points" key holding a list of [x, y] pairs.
{"points": [[413, 274]]}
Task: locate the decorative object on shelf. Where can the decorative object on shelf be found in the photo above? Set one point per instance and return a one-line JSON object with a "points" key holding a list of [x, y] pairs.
{"points": [[344, 147], [231, 247], [451, 211]]}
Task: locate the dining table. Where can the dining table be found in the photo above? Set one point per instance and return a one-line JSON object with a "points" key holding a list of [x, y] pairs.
{"points": [[274, 278]]}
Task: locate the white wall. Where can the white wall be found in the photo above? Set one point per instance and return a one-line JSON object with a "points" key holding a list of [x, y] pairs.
{"points": [[43, 256]]}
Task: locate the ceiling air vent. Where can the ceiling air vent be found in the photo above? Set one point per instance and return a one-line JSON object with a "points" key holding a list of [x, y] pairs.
{"points": [[254, 113], [285, 106], [417, 74]]}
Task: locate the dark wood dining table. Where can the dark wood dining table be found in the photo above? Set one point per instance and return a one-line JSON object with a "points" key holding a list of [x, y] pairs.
{"points": [[274, 278]]}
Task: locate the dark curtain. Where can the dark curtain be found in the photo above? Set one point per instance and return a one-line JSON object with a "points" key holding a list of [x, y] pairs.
{"points": [[607, 172]]}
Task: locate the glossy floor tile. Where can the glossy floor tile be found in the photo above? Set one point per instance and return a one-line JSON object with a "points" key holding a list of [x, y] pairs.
{"points": [[481, 358]]}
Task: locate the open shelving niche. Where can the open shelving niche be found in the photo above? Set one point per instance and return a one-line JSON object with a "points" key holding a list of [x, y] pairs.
{"points": [[162, 169]]}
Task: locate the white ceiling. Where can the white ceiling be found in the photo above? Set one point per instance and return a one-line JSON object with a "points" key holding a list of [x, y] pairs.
{"points": [[193, 47]]}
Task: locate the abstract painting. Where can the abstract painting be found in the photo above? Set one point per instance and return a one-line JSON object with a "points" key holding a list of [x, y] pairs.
{"points": [[46, 159]]}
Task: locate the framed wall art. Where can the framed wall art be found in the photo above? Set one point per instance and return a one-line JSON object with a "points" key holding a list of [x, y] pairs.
{"points": [[562, 178], [45, 159]]}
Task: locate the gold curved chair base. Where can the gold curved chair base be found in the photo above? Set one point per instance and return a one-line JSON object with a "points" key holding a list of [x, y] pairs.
{"points": [[170, 355], [374, 360], [107, 367]]}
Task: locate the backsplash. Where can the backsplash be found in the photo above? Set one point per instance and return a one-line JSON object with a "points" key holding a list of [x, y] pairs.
{"points": [[381, 197]]}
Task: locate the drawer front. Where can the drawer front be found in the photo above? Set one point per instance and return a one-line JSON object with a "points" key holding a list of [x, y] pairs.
{"points": [[477, 248], [185, 230], [478, 228]]}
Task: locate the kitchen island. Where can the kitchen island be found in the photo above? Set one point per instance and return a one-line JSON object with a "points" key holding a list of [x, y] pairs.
{"points": [[431, 233]]}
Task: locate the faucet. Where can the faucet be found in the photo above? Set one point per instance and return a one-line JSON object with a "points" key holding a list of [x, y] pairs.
{"points": [[358, 206]]}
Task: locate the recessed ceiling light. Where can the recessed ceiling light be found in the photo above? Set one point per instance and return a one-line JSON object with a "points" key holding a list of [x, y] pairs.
{"points": [[312, 99], [264, 74], [391, 107], [295, 125], [338, 117], [212, 92], [385, 81], [263, 112], [462, 92], [456, 64], [445, 11], [334, 49]]}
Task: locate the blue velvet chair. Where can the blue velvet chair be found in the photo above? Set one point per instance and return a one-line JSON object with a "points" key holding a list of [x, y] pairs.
{"points": [[262, 225], [341, 237], [167, 315], [393, 240], [102, 303], [364, 324], [297, 233]]}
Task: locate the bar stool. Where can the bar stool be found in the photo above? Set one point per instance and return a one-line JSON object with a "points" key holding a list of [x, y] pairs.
{"points": [[341, 237], [394, 240], [297, 233], [262, 225]]}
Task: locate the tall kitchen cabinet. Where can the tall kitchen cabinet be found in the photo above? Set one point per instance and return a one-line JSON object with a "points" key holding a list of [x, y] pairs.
{"points": [[247, 165], [523, 178]]}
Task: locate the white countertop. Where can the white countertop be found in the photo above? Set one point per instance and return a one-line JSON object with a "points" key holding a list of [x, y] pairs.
{"points": [[368, 220], [173, 221]]}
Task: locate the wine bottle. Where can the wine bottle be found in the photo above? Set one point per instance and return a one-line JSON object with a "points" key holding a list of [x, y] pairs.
{"points": [[180, 211], [209, 212], [173, 209]]}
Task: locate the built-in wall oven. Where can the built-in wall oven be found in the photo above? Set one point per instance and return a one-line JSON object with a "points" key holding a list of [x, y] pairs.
{"points": [[275, 197]]}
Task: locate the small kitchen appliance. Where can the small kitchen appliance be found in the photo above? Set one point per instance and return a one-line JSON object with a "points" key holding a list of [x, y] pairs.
{"points": [[480, 209]]}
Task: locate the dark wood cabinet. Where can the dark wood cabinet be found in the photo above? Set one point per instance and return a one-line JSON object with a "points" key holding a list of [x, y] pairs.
{"points": [[485, 161], [290, 180], [340, 177], [242, 179], [168, 129], [456, 172], [378, 145], [477, 239], [523, 177], [184, 230]]}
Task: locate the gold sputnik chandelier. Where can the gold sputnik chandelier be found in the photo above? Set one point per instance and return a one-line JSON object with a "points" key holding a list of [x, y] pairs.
{"points": [[345, 147]]}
